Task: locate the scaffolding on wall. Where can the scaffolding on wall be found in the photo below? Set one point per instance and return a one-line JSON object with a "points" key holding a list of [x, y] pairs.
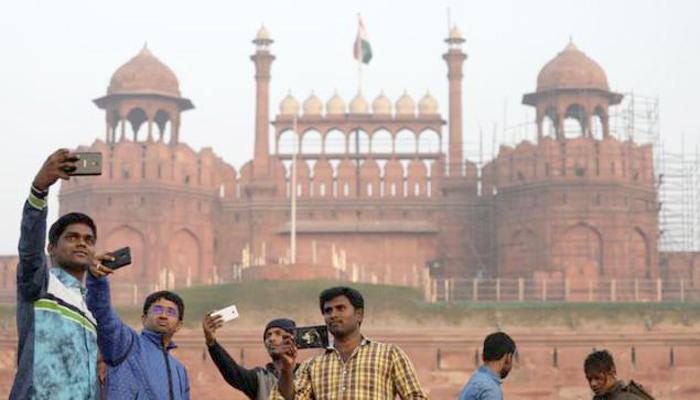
{"points": [[676, 169]]}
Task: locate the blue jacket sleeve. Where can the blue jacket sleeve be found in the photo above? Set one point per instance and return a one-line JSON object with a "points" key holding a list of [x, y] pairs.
{"points": [[187, 385], [114, 337], [32, 272]]}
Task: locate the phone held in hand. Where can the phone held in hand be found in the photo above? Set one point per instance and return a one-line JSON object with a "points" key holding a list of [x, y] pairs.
{"points": [[122, 258], [311, 337], [227, 314], [87, 164]]}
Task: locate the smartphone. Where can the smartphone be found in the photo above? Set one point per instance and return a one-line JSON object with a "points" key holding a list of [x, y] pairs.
{"points": [[122, 258], [227, 314], [311, 337], [88, 163]]}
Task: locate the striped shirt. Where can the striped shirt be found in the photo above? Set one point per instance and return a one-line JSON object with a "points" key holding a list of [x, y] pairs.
{"points": [[374, 371]]}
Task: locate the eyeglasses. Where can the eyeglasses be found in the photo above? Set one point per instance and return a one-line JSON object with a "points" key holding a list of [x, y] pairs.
{"points": [[169, 311]]}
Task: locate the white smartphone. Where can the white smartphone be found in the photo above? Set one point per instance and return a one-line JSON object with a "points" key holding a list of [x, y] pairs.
{"points": [[227, 314]]}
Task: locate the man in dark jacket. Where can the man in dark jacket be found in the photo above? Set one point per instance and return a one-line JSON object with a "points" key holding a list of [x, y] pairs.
{"points": [[602, 377], [256, 383], [139, 366]]}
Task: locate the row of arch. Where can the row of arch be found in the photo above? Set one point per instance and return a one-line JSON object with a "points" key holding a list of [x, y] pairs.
{"points": [[579, 250], [371, 178], [158, 127], [575, 121], [379, 141]]}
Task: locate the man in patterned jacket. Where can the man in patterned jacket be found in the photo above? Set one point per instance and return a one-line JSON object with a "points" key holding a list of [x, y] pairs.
{"points": [[57, 350]]}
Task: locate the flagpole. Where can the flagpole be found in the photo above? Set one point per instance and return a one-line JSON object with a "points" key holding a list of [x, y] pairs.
{"points": [[359, 62], [293, 194], [359, 77]]}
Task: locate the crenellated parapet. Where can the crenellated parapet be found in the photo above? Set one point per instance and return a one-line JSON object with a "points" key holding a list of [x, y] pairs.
{"points": [[176, 168], [578, 160]]}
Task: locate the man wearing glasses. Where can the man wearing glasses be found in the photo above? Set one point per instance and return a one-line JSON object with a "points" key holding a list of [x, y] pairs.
{"points": [[139, 365]]}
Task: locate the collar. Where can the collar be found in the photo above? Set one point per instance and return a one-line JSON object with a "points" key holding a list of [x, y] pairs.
{"points": [[363, 342], [67, 279], [156, 338], [487, 371]]}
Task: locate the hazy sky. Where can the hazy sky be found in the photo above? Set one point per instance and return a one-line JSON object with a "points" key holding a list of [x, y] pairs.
{"points": [[59, 55]]}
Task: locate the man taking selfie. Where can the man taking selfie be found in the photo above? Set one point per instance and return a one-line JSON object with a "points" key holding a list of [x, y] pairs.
{"points": [[355, 367], [256, 383], [140, 366], [57, 350]]}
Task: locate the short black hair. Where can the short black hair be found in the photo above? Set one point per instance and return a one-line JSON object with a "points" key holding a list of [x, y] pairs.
{"points": [[355, 298], [62, 223], [599, 361], [167, 295], [497, 345]]}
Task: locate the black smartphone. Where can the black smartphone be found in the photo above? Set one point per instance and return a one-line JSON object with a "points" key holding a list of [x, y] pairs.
{"points": [[122, 258], [87, 163], [311, 337]]}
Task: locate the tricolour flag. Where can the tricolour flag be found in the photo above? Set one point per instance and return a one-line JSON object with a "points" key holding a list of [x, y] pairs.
{"points": [[362, 50]]}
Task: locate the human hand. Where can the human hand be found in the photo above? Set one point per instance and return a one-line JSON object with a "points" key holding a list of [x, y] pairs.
{"points": [[284, 354], [55, 167], [96, 268], [210, 324]]}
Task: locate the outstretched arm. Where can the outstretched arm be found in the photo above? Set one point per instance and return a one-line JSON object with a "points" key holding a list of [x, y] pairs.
{"points": [[31, 271], [235, 375], [240, 378], [114, 337]]}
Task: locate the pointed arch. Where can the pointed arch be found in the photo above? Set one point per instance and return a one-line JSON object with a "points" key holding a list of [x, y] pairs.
{"points": [[127, 235], [136, 117], [382, 142], [164, 124], [579, 250], [429, 141], [405, 141], [311, 142], [184, 259], [638, 254], [335, 142]]}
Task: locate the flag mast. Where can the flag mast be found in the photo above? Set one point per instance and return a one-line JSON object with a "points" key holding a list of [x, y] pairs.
{"points": [[359, 59], [293, 195]]}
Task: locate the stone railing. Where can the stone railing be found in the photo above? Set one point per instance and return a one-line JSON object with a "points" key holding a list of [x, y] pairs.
{"points": [[561, 290]]}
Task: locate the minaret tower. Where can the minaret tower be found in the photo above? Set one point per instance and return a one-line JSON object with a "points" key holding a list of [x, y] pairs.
{"points": [[455, 59], [263, 62]]}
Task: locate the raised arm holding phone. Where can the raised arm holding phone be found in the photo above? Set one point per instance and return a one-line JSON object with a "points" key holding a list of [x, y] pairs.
{"points": [[256, 383], [57, 349]]}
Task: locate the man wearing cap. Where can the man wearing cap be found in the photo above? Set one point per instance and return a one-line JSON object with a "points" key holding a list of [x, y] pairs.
{"points": [[256, 383]]}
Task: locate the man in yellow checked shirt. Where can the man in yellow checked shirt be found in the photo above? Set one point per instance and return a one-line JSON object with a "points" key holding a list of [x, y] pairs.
{"points": [[354, 368]]}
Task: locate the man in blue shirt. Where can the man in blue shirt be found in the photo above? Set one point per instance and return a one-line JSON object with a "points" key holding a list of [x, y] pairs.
{"points": [[485, 383]]}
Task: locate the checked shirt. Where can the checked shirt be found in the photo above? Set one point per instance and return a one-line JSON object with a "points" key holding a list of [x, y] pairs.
{"points": [[374, 371]]}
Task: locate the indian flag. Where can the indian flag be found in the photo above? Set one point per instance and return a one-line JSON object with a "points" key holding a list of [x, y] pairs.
{"points": [[362, 50]]}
